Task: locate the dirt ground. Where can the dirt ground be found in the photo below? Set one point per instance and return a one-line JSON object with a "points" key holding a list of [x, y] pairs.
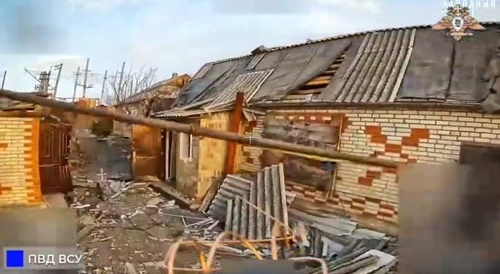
{"points": [[126, 223]]}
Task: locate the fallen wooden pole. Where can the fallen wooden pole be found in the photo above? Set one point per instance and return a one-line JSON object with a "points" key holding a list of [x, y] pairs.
{"points": [[198, 131]]}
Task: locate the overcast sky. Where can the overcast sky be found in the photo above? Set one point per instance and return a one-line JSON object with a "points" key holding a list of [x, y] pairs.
{"points": [[180, 35]]}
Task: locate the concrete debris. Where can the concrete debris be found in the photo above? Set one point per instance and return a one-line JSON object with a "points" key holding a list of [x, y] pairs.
{"points": [[154, 202], [125, 226], [129, 268], [129, 226], [346, 248]]}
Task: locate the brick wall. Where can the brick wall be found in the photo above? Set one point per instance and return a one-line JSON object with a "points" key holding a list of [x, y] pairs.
{"points": [[19, 175], [213, 152], [408, 136], [247, 157], [186, 177]]}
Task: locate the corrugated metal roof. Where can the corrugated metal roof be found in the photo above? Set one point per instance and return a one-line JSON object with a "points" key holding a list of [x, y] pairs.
{"points": [[168, 88], [248, 83], [186, 113], [376, 71], [255, 60]]}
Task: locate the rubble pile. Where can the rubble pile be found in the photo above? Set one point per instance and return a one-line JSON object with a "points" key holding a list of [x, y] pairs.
{"points": [[125, 226], [344, 246]]}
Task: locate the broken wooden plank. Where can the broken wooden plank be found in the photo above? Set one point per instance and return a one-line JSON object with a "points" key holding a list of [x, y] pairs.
{"points": [[209, 196], [172, 193]]}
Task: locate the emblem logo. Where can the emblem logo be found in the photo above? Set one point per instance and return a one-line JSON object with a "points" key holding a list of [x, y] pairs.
{"points": [[458, 22]]}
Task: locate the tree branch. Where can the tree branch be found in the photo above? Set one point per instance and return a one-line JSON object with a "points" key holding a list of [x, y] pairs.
{"points": [[132, 83]]}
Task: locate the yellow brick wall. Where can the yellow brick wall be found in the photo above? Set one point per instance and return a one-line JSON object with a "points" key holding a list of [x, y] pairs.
{"points": [[186, 171], [409, 136], [213, 152], [19, 175]]}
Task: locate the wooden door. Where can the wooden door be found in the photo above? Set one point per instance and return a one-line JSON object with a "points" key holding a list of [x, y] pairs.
{"points": [[147, 153], [53, 156], [170, 155]]}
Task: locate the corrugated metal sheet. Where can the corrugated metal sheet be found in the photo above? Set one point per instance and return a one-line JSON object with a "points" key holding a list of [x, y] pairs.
{"points": [[248, 83], [186, 113], [267, 193], [376, 72], [231, 187], [255, 60]]}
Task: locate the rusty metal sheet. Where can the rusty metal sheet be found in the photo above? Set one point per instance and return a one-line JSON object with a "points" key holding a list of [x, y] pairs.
{"points": [[147, 152], [53, 158]]}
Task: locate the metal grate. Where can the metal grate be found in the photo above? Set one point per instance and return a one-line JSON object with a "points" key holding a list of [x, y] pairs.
{"points": [[248, 83], [255, 60]]}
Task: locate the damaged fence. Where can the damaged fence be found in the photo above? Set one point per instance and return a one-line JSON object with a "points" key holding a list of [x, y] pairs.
{"points": [[233, 201]]}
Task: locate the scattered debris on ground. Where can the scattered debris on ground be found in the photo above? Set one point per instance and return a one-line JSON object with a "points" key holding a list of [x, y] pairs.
{"points": [[125, 226]]}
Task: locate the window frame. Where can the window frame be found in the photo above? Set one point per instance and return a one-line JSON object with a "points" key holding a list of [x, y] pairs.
{"points": [[186, 146]]}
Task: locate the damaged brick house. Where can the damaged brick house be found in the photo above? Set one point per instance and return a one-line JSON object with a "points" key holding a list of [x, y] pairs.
{"points": [[155, 98], [194, 163], [412, 94], [147, 143]]}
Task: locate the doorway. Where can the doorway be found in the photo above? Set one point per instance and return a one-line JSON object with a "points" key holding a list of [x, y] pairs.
{"points": [[170, 155]]}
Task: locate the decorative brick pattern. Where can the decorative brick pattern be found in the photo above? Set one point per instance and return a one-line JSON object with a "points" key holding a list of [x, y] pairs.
{"points": [[247, 157], [408, 136], [20, 179]]}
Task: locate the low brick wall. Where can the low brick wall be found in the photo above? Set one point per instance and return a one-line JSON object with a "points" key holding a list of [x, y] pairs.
{"points": [[19, 174]]}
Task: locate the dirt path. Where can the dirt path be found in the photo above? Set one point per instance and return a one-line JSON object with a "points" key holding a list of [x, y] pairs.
{"points": [[125, 222]]}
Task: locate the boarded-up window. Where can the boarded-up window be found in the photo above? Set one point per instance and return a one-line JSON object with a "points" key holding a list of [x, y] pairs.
{"points": [[312, 173], [186, 146], [324, 135]]}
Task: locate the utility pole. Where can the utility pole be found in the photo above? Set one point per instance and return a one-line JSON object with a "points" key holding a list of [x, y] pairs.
{"points": [[85, 74], [43, 80], [120, 91], [104, 79], [59, 69], [76, 83], [3, 79]]}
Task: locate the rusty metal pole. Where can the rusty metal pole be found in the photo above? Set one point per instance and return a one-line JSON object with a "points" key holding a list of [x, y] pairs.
{"points": [[199, 131]]}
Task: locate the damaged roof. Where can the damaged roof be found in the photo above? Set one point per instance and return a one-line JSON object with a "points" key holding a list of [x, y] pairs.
{"points": [[415, 64], [166, 89]]}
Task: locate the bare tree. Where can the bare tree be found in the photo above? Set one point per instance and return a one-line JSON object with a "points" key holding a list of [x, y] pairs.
{"points": [[133, 82]]}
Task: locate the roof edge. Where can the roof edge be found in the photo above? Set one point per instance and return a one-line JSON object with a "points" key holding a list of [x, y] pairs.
{"points": [[340, 36]]}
